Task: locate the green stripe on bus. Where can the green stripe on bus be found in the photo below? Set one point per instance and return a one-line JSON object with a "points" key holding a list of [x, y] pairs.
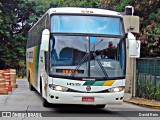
{"points": [[89, 83], [36, 62], [94, 83], [98, 83]]}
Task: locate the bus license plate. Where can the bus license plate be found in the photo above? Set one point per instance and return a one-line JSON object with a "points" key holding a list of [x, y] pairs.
{"points": [[87, 99]]}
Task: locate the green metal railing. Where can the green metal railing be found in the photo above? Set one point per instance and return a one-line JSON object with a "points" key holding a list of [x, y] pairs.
{"points": [[148, 78]]}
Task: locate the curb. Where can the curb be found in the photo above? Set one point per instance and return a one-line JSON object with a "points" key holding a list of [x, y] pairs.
{"points": [[144, 104]]}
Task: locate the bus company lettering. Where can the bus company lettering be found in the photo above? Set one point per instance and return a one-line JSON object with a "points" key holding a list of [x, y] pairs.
{"points": [[73, 84], [30, 54], [88, 79]]}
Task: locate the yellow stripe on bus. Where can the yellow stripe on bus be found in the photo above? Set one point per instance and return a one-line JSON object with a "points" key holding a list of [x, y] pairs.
{"points": [[108, 83]]}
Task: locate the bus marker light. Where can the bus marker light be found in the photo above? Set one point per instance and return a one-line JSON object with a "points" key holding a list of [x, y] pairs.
{"points": [[53, 10], [86, 11]]}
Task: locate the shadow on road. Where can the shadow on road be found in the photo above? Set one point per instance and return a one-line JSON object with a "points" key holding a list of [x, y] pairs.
{"points": [[70, 110], [82, 111]]}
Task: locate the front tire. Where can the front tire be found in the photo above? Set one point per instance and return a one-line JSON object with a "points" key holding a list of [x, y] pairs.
{"points": [[30, 85]]}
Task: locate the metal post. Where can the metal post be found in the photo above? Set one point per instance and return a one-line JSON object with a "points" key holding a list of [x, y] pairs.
{"points": [[133, 80], [155, 76]]}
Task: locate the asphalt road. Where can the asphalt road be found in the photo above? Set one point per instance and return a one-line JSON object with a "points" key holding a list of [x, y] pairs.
{"points": [[23, 104]]}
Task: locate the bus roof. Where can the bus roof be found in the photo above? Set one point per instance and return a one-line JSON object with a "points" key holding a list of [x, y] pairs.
{"points": [[78, 10]]}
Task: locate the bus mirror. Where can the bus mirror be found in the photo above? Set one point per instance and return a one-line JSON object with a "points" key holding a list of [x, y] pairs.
{"points": [[45, 40], [132, 45]]}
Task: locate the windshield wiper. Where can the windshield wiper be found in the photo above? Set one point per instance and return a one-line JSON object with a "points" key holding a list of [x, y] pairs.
{"points": [[80, 63], [85, 57], [101, 66]]}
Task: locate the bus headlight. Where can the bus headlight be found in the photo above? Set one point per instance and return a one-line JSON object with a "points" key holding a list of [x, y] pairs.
{"points": [[58, 87], [116, 89]]}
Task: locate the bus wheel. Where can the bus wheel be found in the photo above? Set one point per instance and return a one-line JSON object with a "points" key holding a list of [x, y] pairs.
{"points": [[100, 106], [41, 87], [30, 85]]}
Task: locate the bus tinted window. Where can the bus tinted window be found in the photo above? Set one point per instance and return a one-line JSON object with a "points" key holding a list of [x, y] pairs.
{"points": [[86, 24]]}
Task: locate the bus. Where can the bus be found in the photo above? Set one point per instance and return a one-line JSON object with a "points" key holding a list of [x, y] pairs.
{"points": [[78, 56]]}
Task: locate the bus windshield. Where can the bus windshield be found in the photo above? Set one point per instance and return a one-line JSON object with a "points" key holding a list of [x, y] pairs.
{"points": [[83, 56], [86, 24], [87, 46]]}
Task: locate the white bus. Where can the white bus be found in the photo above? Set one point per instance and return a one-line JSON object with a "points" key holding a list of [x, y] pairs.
{"points": [[78, 56]]}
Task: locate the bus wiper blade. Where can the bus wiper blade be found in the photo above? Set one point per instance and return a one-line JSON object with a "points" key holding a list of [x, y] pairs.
{"points": [[101, 66], [85, 57], [80, 63]]}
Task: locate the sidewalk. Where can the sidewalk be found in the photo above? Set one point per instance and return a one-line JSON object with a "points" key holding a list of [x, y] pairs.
{"points": [[141, 101]]}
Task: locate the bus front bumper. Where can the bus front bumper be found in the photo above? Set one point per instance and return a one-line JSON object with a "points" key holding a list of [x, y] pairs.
{"points": [[58, 97]]}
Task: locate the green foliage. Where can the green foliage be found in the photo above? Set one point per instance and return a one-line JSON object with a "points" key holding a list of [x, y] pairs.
{"points": [[121, 6], [0, 16], [75, 3], [157, 29], [13, 30], [152, 16], [148, 90], [157, 94]]}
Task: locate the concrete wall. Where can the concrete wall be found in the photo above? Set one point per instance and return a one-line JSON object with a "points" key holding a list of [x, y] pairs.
{"points": [[130, 74], [131, 24]]}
